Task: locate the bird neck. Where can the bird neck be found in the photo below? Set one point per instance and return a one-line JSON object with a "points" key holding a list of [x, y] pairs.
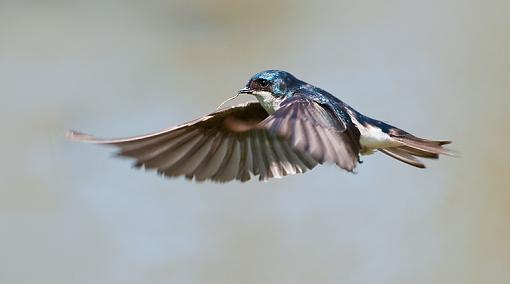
{"points": [[269, 102]]}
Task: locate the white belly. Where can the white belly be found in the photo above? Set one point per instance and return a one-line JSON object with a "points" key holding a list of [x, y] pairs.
{"points": [[373, 138]]}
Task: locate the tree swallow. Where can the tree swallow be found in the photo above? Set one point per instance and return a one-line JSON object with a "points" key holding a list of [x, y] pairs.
{"points": [[293, 127]]}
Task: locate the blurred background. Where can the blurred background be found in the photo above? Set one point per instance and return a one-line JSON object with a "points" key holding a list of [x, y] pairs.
{"points": [[69, 213]]}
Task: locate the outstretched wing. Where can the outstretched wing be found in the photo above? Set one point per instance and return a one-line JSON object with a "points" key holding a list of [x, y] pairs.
{"points": [[222, 146], [313, 128]]}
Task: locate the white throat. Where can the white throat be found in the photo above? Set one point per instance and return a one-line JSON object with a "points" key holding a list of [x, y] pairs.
{"points": [[268, 101]]}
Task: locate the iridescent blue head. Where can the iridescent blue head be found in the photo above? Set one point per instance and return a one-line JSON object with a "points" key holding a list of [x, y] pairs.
{"points": [[278, 83]]}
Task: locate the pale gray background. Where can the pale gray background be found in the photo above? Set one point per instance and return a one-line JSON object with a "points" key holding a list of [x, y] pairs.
{"points": [[71, 214]]}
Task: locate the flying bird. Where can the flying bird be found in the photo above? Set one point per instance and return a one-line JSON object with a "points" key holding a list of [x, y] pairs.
{"points": [[293, 127]]}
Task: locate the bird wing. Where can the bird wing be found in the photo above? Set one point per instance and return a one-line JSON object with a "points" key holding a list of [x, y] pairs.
{"points": [[313, 128], [222, 146]]}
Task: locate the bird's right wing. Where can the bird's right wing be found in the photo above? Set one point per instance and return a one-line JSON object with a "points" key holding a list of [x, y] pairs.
{"points": [[313, 128], [222, 146]]}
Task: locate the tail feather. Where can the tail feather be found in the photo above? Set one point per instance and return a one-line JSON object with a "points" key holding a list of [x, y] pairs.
{"points": [[408, 146], [419, 153], [403, 156], [429, 146], [412, 147]]}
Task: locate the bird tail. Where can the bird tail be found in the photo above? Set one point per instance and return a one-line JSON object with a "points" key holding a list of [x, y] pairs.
{"points": [[413, 147]]}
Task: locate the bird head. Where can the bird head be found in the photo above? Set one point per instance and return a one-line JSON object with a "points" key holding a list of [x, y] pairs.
{"points": [[271, 87], [276, 83]]}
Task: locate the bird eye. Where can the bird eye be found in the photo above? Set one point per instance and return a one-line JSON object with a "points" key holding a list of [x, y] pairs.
{"points": [[263, 82]]}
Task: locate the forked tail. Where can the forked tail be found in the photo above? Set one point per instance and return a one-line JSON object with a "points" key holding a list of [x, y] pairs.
{"points": [[413, 147]]}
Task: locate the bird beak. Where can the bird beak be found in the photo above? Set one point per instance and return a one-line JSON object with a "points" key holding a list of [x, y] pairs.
{"points": [[245, 90]]}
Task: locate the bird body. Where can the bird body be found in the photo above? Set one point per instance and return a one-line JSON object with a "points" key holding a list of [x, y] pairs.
{"points": [[371, 136], [293, 127]]}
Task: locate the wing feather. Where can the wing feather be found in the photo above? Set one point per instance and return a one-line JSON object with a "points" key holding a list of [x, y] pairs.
{"points": [[312, 128], [245, 161], [273, 162], [215, 158], [192, 159], [233, 143], [228, 170], [286, 165]]}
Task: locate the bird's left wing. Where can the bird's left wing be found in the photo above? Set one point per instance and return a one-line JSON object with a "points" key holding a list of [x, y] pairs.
{"points": [[313, 128], [222, 146]]}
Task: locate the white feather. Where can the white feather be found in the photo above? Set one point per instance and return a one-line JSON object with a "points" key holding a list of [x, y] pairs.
{"points": [[269, 102], [372, 137]]}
